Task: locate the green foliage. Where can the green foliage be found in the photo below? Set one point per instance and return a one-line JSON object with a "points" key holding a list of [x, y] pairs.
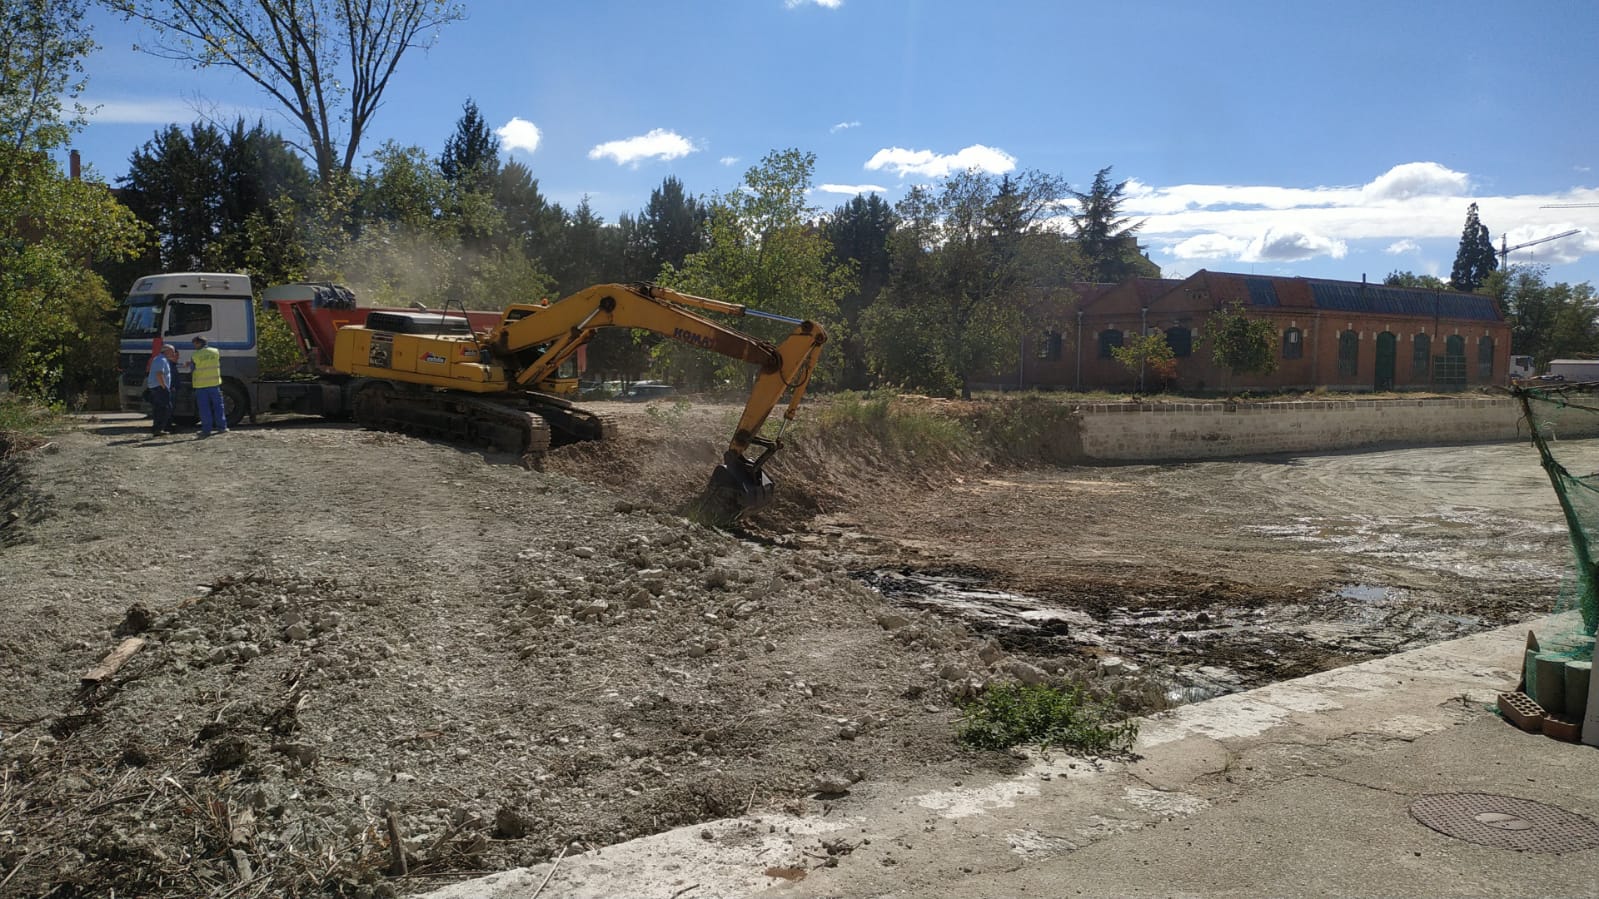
{"points": [[23, 421], [1547, 321], [1241, 344], [277, 352], [859, 232], [42, 47], [1413, 280], [471, 157], [763, 252], [1474, 259], [1147, 356], [969, 258], [1007, 715]]}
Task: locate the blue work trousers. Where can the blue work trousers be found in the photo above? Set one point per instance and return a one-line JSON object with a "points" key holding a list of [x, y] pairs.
{"points": [[213, 415]]}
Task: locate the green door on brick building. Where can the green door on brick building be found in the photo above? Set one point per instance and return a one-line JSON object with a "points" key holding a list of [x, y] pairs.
{"points": [[1387, 348]]}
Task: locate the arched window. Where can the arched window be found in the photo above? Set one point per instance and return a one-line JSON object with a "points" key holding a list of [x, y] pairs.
{"points": [[1420, 356], [1049, 346], [1455, 345], [1181, 341], [1293, 343], [1109, 340], [1348, 354], [1485, 358]]}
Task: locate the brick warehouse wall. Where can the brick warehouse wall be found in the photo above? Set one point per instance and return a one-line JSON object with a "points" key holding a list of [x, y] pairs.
{"points": [[1130, 432]]}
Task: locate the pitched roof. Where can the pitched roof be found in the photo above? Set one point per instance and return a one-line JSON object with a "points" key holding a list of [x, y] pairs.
{"points": [[1267, 292]]}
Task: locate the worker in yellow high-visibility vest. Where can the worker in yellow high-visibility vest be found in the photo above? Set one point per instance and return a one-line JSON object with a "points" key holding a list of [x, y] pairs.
{"points": [[206, 366]]}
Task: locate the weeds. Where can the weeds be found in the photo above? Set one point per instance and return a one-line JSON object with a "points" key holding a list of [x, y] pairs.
{"points": [[898, 428], [25, 423], [1008, 715]]}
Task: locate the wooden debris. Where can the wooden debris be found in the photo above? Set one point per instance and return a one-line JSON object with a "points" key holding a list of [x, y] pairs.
{"points": [[109, 665]]}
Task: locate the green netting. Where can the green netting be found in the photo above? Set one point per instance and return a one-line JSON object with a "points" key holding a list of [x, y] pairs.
{"points": [[1545, 410]]}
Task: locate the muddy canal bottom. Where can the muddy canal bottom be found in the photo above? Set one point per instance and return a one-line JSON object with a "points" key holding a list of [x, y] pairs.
{"points": [[1191, 646]]}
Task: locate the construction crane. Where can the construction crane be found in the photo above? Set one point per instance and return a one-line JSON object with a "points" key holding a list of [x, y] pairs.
{"points": [[1505, 251]]}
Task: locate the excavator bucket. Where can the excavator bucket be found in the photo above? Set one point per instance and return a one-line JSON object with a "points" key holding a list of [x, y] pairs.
{"points": [[737, 486]]}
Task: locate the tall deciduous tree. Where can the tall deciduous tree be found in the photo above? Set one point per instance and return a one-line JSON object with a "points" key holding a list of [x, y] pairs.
{"points": [[326, 62], [1107, 239], [1547, 321], [969, 258], [52, 228], [1474, 260]]}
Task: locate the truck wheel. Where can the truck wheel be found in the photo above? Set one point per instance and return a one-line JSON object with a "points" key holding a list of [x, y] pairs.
{"points": [[235, 403]]}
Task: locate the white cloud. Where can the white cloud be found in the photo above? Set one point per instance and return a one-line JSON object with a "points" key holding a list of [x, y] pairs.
{"points": [[519, 134], [843, 126], [658, 144], [163, 111], [728, 160], [1417, 179], [933, 165], [1398, 211], [1209, 246], [827, 4], [851, 189]]}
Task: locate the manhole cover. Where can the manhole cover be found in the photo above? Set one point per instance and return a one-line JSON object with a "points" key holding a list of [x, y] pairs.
{"points": [[1505, 822]]}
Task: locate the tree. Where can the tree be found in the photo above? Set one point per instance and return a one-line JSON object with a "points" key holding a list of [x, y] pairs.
{"points": [[1108, 243], [52, 228], [1241, 344], [763, 251], [1474, 260], [668, 231], [42, 46], [295, 50], [1411, 279], [1547, 321], [969, 258], [199, 189], [1145, 355], [859, 232], [471, 155]]}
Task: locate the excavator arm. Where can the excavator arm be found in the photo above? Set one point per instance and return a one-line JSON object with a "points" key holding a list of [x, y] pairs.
{"points": [[532, 341]]}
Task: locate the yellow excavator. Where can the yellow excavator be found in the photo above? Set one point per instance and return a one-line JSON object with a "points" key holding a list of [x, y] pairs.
{"points": [[509, 388]]}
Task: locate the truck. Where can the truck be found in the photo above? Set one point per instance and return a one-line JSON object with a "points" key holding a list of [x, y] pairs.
{"points": [[1572, 370]]}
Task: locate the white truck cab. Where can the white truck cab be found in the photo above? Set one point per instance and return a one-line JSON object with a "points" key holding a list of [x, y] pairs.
{"points": [[175, 309]]}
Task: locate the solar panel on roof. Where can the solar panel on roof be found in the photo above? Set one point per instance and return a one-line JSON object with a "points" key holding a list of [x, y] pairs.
{"points": [[1262, 292], [1383, 300]]}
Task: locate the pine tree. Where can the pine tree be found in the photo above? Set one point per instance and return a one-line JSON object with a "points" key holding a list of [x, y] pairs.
{"points": [[1108, 243], [471, 155], [1474, 261]]}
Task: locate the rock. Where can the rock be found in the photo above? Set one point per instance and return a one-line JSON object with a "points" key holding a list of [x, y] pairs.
{"points": [[136, 621], [297, 631], [990, 653], [1032, 675], [583, 552], [592, 611], [188, 635], [892, 621], [830, 784], [640, 598], [951, 671]]}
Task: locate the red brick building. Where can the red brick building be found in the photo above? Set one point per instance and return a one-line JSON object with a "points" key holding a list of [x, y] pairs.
{"points": [[1343, 335]]}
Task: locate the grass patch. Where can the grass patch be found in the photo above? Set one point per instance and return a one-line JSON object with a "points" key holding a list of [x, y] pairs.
{"points": [[25, 424], [1008, 715], [901, 429]]}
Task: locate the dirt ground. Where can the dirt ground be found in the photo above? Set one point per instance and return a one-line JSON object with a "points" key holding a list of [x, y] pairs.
{"points": [[357, 641]]}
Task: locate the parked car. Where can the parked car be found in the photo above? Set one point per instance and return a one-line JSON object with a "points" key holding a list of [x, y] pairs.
{"points": [[642, 392]]}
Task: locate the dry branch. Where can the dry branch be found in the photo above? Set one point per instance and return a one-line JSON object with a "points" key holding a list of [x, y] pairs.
{"points": [[109, 665]]}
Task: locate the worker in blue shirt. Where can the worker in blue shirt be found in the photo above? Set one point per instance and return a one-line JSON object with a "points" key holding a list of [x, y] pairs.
{"points": [[159, 383]]}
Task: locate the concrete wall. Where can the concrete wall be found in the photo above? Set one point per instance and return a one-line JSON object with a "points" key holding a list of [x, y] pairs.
{"points": [[1130, 432]]}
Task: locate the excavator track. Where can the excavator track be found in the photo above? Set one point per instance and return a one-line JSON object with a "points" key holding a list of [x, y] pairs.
{"points": [[457, 418], [570, 422]]}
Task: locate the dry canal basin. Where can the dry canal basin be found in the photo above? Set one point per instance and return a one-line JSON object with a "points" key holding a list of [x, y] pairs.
{"points": [[1219, 576]]}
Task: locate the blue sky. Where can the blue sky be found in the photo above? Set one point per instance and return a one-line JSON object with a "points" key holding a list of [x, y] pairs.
{"points": [[1322, 139]]}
